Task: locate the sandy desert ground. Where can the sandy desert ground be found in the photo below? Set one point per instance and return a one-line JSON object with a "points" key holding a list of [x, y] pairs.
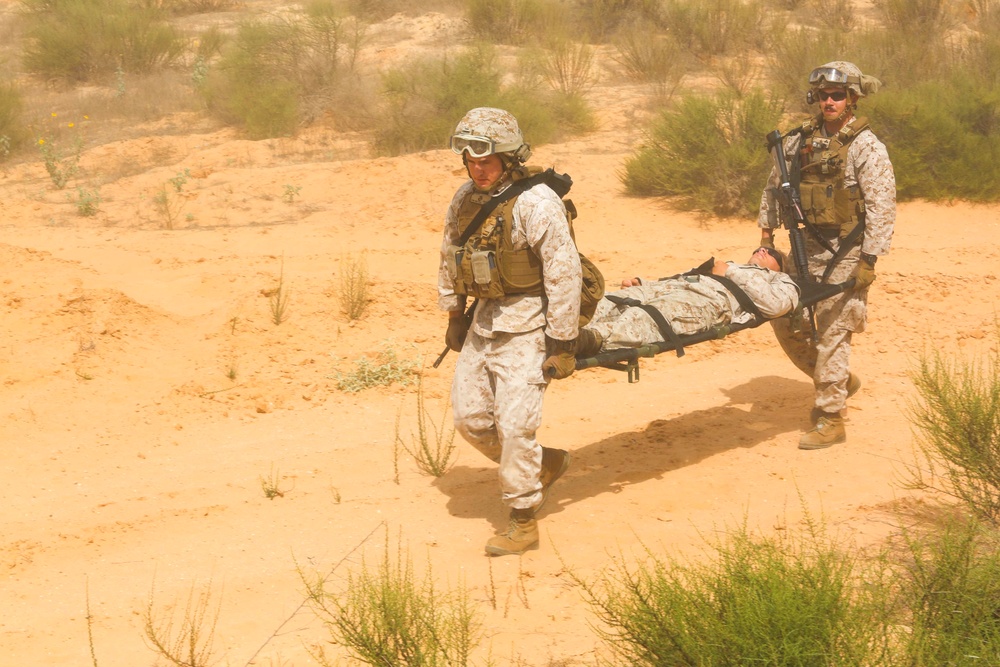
{"points": [[132, 461]]}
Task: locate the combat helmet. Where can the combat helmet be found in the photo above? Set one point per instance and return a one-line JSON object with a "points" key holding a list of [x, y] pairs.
{"points": [[486, 131], [840, 73]]}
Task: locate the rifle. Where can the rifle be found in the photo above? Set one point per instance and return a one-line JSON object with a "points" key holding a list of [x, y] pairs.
{"points": [[794, 218], [469, 313]]}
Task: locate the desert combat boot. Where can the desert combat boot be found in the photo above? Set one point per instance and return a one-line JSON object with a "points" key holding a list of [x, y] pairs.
{"points": [[521, 535], [829, 430], [554, 464]]}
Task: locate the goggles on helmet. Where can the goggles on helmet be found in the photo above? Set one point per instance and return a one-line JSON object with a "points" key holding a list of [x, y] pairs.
{"points": [[832, 76], [477, 146]]}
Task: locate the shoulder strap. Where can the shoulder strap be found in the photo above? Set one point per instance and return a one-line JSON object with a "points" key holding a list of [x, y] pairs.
{"points": [[560, 184], [746, 303]]}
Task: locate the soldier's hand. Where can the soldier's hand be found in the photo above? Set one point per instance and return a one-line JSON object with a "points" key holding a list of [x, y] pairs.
{"points": [[865, 275], [454, 338], [561, 360], [767, 241]]}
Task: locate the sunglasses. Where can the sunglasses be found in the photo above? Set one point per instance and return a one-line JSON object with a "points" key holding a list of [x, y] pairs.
{"points": [[836, 96], [774, 254]]}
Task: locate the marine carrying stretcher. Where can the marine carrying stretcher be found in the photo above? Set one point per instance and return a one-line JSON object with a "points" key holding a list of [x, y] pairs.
{"points": [[627, 359]]}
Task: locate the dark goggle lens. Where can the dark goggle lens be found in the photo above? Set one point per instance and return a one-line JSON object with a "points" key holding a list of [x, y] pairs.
{"points": [[836, 96]]}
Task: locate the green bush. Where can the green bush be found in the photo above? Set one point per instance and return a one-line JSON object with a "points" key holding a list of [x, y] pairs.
{"points": [[275, 75], [649, 55], [387, 616], [510, 21], [426, 99], [958, 419], [77, 40], [12, 129], [716, 27], [708, 153], [952, 589], [943, 137], [777, 601]]}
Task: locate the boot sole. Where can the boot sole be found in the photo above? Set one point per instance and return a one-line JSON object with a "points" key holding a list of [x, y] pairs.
{"points": [[810, 447], [497, 551]]}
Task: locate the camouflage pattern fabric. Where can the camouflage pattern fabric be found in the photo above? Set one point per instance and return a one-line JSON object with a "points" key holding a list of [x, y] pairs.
{"points": [[837, 318], [498, 386], [691, 304], [497, 401]]}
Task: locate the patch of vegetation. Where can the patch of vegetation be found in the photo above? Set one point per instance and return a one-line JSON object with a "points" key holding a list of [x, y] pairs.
{"points": [[779, 600], [957, 416], [12, 129], [84, 40], [425, 100], [952, 590], [708, 153], [433, 445], [944, 137], [354, 296], [189, 643], [387, 616], [275, 75], [509, 21], [387, 369]]}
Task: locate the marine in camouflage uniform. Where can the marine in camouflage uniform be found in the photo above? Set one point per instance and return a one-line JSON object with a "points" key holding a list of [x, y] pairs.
{"points": [[692, 303], [516, 342], [863, 176]]}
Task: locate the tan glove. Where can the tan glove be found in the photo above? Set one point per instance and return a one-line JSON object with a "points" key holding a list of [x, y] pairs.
{"points": [[865, 275], [561, 360], [454, 338], [767, 241]]}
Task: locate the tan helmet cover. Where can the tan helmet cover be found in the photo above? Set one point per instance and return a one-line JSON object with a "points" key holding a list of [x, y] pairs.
{"points": [[858, 83], [495, 124]]}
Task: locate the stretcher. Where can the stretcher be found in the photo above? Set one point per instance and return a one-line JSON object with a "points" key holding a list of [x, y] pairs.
{"points": [[627, 359]]}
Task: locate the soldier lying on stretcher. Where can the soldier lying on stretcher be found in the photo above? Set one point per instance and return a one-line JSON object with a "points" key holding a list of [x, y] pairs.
{"points": [[645, 312]]}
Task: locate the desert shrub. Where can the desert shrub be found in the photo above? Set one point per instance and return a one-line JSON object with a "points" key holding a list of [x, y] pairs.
{"points": [[602, 19], [951, 588], [433, 445], [708, 153], [716, 27], [12, 129], [568, 66], [353, 291], [274, 75], [917, 18], [386, 369], [649, 55], [957, 416], [425, 99], [77, 40], [782, 600], [510, 21], [388, 616], [838, 15], [797, 52], [943, 137]]}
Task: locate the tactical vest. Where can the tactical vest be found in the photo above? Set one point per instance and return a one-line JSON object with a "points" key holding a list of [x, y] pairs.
{"points": [[826, 203], [488, 266]]}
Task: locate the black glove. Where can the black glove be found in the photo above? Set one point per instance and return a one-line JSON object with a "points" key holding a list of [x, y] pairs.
{"points": [[561, 360], [454, 338], [865, 275]]}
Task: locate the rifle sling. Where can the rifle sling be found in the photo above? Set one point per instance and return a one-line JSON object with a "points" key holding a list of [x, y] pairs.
{"points": [[514, 190]]}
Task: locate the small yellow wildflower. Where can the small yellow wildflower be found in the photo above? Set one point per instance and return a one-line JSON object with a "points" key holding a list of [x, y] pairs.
{"points": [[69, 125], [86, 117], [41, 142], [53, 114]]}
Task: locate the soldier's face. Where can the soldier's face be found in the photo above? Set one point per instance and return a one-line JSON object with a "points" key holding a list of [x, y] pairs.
{"points": [[833, 101], [485, 171], [761, 257]]}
